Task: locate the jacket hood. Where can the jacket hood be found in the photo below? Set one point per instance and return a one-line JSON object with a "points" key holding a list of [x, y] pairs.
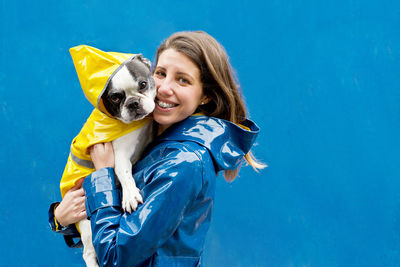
{"points": [[95, 68], [227, 142]]}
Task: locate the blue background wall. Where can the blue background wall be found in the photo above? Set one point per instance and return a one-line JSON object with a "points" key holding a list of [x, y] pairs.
{"points": [[321, 78]]}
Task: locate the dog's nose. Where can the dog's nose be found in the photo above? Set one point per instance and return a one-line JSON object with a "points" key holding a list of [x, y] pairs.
{"points": [[133, 105]]}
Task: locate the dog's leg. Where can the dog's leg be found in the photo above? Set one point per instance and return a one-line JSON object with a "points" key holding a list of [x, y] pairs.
{"points": [[123, 169], [125, 148], [89, 254], [130, 193]]}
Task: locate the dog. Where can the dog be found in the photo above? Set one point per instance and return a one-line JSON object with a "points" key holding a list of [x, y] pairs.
{"points": [[128, 97]]}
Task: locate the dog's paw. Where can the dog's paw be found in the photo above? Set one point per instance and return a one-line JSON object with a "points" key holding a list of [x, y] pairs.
{"points": [[131, 197]]}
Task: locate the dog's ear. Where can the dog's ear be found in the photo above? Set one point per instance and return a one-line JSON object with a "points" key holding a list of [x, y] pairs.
{"points": [[144, 60]]}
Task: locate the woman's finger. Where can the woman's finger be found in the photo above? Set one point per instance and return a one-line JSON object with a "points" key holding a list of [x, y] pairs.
{"points": [[79, 192], [92, 149], [78, 184], [82, 215], [108, 147], [83, 207], [97, 148]]}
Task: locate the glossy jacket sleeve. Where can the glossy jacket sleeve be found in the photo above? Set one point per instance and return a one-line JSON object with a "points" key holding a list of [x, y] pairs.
{"points": [[122, 239]]}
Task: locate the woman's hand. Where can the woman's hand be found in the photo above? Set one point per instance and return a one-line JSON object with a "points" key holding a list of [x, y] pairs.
{"points": [[72, 207], [102, 155]]}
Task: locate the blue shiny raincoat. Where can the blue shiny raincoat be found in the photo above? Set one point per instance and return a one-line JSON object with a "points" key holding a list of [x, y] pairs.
{"points": [[176, 176]]}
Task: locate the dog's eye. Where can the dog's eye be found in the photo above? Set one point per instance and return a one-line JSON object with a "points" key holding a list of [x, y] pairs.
{"points": [[142, 84], [116, 98]]}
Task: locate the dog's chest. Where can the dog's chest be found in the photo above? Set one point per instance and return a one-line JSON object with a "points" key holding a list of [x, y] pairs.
{"points": [[133, 144]]}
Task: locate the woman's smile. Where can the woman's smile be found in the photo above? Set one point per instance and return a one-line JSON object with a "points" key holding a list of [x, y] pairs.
{"points": [[164, 105]]}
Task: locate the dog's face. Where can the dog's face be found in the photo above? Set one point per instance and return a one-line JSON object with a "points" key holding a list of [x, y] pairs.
{"points": [[130, 94]]}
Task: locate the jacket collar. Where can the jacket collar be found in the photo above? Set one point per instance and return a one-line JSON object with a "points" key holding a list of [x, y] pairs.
{"points": [[227, 142]]}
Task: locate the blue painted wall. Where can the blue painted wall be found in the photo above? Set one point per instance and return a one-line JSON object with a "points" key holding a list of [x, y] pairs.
{"points": [[321, 78]]}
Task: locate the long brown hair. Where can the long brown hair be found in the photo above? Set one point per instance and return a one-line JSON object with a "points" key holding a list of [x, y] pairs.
{"points": [[219, 81]]}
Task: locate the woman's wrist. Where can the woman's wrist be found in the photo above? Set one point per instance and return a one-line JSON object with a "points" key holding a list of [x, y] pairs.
{"points": [[58, 217]]}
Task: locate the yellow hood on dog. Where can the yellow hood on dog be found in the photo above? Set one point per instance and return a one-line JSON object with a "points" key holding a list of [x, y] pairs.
{"points": [[95, 68]]}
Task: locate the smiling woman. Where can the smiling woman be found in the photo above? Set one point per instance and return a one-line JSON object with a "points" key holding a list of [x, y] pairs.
{"points": [[179, 88], [177, 173], [221, 97]]}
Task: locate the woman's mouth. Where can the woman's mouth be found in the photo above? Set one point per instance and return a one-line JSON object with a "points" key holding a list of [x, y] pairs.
{"points": [[163, 104]]}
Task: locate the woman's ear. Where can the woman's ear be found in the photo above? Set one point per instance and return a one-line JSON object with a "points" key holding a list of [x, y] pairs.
{"points": [[204, 100]]}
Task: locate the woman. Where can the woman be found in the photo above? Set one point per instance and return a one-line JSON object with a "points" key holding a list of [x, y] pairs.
{"points": [[201, 130]]}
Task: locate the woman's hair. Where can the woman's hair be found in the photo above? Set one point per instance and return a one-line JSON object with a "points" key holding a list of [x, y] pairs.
{"points": [[218, 78]]}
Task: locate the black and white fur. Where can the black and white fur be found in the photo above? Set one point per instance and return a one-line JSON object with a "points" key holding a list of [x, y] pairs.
{"points": [[128, 96]]}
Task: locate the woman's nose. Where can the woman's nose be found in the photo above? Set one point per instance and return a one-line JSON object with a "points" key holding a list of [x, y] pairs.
{"points": [[165, 87]]}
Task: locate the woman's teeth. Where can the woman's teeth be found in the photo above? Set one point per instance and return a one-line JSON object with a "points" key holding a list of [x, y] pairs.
{"points": [[165, 105]]}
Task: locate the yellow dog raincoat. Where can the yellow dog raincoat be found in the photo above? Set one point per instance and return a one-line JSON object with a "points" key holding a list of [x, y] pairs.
{"points": [[94, 68]]}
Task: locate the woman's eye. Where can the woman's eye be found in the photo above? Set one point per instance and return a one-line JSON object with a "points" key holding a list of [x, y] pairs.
{"points": [[142, 85], [183, 80], [160, 73]]}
